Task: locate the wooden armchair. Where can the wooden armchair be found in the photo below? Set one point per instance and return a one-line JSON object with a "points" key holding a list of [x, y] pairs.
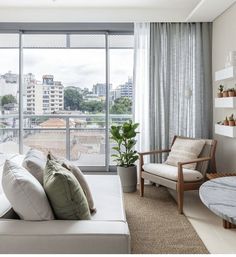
{"points": [[178, 178]]}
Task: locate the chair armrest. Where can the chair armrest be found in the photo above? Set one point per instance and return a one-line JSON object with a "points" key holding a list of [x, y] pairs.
{"points": [[181, 164], [154, 152], [203, 159]]}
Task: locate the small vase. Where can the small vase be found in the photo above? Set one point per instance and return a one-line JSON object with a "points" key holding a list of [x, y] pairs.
{"points": [[219, 95], [226, 123], [231, 123]]}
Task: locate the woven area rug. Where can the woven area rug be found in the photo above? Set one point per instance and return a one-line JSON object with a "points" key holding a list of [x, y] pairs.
{"points": [[156, 227]]}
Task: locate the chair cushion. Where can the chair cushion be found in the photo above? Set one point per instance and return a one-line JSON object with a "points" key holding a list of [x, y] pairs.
{"points": [[25, 193], [185, 150], [171, 172]]}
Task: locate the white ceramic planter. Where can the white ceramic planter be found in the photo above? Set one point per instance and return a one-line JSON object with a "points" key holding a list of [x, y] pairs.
{"points": [[128, 177]]}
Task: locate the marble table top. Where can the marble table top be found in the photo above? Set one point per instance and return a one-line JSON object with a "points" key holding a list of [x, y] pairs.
{"points": [[219, 195]]}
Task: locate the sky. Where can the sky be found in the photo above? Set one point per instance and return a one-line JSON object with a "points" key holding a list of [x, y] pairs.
{"points": [[73, 67]]}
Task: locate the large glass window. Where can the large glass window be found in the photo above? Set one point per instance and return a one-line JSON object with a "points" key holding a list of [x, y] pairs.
{"points": [[65, 93], [9, 93]]}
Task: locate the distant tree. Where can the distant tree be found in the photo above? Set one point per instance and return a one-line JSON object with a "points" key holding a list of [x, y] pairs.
{"points": [[122, 105], [7, 99], [72, 99], [93, 106]]}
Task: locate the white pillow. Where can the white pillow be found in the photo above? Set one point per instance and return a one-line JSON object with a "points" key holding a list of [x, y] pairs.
{"points": [[185, 150], [35, 162], [25, 193]]}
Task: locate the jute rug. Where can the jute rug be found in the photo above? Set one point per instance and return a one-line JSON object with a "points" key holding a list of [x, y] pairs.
{"points": [[156, 227]]}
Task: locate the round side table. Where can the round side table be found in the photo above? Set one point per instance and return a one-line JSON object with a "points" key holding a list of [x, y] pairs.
{"points": [[219, 195]]}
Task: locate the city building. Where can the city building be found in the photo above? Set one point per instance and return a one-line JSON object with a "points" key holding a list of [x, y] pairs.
{"points": [[126, 90], [10, 77], [99, 89], [46, 97]]}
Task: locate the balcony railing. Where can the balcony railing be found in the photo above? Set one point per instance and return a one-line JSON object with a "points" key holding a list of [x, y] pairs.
{"points": [[80, 138]]}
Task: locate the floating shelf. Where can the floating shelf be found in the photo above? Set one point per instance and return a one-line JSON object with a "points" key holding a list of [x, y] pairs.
{"points": [[225, 102], [227, 73], [225, 130]]}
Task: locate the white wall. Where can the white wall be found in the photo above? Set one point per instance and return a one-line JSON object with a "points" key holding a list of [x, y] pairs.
{"points": [[224, 40]]}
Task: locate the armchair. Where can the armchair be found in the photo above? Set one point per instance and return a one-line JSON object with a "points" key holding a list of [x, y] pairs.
{"points": [[178, 178]]}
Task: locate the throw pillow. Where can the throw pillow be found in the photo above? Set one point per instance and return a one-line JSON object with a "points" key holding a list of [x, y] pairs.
{"points": [[65, 193], [25, 193], [79, 176], [35, 162], [185, 150]]}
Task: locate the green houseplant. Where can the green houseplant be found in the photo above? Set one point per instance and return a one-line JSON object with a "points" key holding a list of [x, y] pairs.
{"points": [[125, 156]]}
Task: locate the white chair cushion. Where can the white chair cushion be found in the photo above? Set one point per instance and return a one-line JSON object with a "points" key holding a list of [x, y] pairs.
{"points": [[171, 172], [25, 193]]}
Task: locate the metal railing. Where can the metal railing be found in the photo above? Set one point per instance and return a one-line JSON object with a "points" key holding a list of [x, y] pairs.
{"points": [[67, 123]]}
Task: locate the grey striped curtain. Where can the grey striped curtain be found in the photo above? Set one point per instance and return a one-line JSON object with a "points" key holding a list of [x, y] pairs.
{"points": [[180, 82]]}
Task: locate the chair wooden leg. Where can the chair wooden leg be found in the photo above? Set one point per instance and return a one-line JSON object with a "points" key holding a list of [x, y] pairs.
{"points": [[180, 199], [141, 186]]}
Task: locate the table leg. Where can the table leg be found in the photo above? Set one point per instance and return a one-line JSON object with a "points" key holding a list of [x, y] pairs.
{"points": [[228, 225]]}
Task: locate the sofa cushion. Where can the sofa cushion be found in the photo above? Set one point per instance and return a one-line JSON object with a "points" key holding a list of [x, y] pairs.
{"points": [[108, 197], [25, 193], [79, 176], [65, 193], [35, 162], [185, 150], [171, 172]]}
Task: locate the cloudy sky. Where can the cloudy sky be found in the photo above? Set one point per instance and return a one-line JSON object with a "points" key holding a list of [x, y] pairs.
{"points": [[73, 67]]}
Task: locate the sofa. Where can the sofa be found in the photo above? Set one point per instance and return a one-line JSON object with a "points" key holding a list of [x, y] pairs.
{"points": [[106, 233]]}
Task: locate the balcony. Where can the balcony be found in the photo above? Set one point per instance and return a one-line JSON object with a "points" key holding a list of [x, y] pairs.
{"points": [[80, 138]]}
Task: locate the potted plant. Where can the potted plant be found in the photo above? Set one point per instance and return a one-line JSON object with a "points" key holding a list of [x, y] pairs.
{"points": [[231, 92], [226, 122], [231, 120], [124, 136], [220, 91], [225, 93]]}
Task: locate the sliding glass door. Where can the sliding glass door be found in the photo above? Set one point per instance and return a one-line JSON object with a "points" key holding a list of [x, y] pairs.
{"points": [[73, 87]]}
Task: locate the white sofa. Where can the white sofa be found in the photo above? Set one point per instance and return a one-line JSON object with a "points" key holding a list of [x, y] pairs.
{"points": [[107, 232]]}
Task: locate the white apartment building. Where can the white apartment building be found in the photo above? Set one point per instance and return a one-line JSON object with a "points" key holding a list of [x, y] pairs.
{"points": [[46, 97]]}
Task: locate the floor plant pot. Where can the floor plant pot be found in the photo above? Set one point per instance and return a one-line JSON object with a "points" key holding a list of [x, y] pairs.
{"points": [[128, 177]]}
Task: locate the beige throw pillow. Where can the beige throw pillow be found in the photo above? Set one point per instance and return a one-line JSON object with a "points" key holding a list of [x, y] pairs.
{"points": [[185, 150]]}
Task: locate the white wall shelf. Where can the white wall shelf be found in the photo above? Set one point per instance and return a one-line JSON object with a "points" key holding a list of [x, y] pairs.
{"points": [[225, 102], [227, 73], [227, 131]]}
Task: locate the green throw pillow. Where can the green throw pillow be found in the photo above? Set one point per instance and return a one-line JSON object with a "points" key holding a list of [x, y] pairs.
{"points": [[65, 193]]}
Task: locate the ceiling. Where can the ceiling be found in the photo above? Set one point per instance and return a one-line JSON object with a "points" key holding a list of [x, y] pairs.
{"points": [[179, 4], [112, 10]]}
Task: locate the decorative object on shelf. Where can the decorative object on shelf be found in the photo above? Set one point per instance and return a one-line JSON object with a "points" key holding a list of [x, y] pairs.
{"points": [[231, 92], [220, 91], [226, 121], [231, 120], [225, 93], [126, 157]]}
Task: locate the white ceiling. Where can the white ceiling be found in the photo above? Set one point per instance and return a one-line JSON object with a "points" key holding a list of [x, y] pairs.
{"points": [[112, 10], [163, 4]]}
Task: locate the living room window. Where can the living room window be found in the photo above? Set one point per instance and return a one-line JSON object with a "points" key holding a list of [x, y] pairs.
{"points": [[90, 74]]}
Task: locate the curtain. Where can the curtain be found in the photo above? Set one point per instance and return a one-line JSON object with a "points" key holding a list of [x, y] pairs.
{"points": [[180, 91], [141, 83]]}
